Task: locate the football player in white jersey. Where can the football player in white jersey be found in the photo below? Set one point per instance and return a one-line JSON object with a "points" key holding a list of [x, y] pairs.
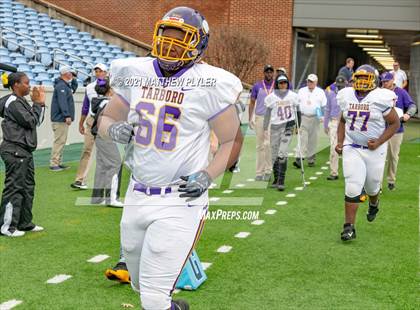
{"points": [[282, 109], [362, 137], [169, 125]]}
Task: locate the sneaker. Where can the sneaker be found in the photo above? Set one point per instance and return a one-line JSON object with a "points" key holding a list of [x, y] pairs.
{"points": [[118, 273], [180, 304], [259, 178], [78, 185], [372, 211], [56, 168], [266, 177], [332, 177], [37, 228], [116, 204], [16, 233], [348, 233], [391, 186], [64, 167]]}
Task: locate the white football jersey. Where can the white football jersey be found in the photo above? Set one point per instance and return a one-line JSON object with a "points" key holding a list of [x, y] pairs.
{"points": [[283, 110], [172, 138], [365, 118]]}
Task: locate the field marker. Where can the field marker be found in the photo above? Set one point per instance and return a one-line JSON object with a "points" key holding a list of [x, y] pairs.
{"points": [[214, 199], [250, 180], [281, 203], [228, 191], [58, 279], [205, 265], [307, 183], [313, 178], [240, 185], [290, 195], [319, 172], [224, 249], [324, 168], [10, 304], [98, 258], [300, 188], [242, 234], [270, 212], [258, 222]]}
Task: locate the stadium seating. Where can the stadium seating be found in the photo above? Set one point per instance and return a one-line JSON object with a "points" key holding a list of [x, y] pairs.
{"points": [[51, 44]]}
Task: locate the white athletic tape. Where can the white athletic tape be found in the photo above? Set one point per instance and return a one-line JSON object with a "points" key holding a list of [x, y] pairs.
{"points": [[228, 191], [58, 279], [242, 234], [224, 249], [290, 195], [281, 203], [258, 222], [10, 304], [270, 212], [98, 258]]}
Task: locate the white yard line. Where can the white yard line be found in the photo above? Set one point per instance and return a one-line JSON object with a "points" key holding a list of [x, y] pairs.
{"points": [[281, 203], [240, 185], [324, 168], [58, 278], [313, 178], [224, 249], [214, 199], [258, 222], [98, 258], [242, 234], [10, 304], [319, 172], [270, 212], [300, 188], [228, 191], [290, 195], [206, 265]]}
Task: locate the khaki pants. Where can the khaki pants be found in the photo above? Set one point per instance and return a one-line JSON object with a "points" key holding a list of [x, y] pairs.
{"points": [[263, 148], [393, 156], [309, 137], [60, 131], [332, 126], [89, 142]]}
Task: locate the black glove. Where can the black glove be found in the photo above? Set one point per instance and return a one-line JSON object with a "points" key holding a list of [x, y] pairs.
{"points": [[197, 184], [121, 132]]}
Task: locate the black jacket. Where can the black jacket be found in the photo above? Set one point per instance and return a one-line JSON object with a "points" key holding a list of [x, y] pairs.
{"points": [[62, 104], [20, 122]]}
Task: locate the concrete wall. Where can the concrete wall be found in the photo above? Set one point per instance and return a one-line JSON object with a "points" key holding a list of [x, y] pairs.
{"points": [[45, 134]]}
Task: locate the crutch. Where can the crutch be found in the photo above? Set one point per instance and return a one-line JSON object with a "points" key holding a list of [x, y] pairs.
{"points": [[302, 171]]}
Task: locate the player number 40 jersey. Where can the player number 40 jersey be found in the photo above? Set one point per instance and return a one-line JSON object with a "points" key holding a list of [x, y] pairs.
{"points": [[283, 110], [365, 118], [172, 115]]}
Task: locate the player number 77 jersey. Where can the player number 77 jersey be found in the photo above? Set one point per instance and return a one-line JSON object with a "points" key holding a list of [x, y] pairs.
{"points": [[365, 118]]}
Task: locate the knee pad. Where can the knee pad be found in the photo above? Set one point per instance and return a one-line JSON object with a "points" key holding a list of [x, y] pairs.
{"points": [[155, 300], [352, 199]]}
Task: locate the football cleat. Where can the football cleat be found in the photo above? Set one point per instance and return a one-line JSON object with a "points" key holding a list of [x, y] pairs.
{"points": [[348, 233], [118, 273], [372, 211]]}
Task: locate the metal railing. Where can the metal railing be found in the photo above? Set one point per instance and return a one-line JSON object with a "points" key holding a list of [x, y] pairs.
{"points": [[34, 50], [57, 61]]}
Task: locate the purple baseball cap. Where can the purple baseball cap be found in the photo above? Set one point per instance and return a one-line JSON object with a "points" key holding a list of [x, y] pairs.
{"points": [[387, 76]]}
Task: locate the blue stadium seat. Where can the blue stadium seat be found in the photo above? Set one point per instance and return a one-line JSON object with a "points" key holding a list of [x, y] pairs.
{"points": [[93, 48], [47, 82], [5, 59], [24, 68], [28, 50], [4, 52], [88, 58], [12, 45], [45, 59], [43, 75]]}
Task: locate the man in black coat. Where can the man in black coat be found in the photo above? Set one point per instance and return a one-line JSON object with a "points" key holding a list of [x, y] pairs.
{"points": [[19, 141]]}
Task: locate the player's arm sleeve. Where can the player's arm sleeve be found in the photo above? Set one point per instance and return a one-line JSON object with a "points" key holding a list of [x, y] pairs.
{"points": [[225, 93], [119, 72]]}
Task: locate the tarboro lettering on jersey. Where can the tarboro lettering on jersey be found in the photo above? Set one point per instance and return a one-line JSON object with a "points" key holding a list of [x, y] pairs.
{"points": [[161, 94]]}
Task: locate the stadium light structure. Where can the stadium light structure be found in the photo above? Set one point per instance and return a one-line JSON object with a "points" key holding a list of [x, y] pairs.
{"points": [[363, 36], [368, 41]]}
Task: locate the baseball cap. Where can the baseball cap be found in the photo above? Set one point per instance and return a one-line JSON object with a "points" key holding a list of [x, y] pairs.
{"points": [[340, 80], [312, 77], [282, 78], [101, 66], [283, 69], [268, 67], [387, 76], [65, 69]]}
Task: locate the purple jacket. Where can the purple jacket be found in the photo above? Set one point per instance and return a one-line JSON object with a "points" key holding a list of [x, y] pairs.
{"points": [[332, 110], [403, 102]]}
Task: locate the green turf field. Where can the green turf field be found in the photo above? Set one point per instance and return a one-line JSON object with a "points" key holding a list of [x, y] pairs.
{"points": [[294, 260]]}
